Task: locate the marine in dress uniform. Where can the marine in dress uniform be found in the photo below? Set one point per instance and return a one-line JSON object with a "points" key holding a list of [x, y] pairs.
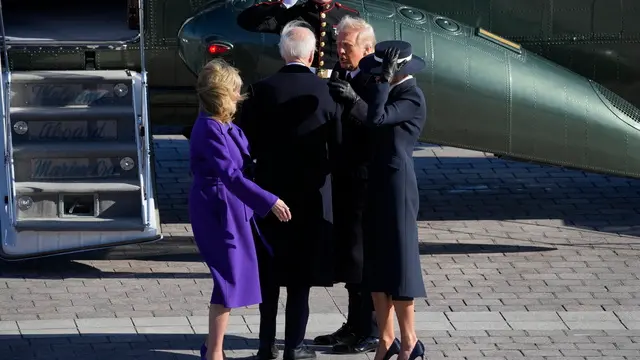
{"points": [[322, 15]]}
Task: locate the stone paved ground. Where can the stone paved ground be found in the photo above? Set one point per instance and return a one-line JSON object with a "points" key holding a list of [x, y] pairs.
{"points": [[521, 261]]}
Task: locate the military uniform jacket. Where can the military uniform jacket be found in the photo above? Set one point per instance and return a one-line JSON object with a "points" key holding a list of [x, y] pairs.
{"points": [[272, 16]]}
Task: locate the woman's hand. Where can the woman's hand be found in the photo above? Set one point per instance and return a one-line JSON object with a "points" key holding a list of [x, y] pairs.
{"points": [[281, 211], [390, 64]]}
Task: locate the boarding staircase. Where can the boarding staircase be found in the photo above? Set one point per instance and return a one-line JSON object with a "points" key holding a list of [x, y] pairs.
{"points": [[77, 156]]}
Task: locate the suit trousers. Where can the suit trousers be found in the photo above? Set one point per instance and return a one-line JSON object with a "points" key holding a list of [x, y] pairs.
{"points": [[296, 315], [360, 315]]}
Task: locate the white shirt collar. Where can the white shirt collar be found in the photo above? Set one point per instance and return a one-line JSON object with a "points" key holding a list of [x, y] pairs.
{"points": [[401, 81], [297, 63]]}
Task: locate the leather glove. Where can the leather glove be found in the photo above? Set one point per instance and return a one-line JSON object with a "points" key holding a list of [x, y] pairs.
{"points": [[342, 90], [390, 64]]}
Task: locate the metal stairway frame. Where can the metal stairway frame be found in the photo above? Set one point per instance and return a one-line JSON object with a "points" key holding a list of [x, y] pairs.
{"points": [[149, 221], [142, 127], [5, 88]]}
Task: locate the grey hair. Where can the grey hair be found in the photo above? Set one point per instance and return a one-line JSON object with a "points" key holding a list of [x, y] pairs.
{"points": [[366, 35], [297, 45]]}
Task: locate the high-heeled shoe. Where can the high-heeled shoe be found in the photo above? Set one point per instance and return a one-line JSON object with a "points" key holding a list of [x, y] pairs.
{"points": [[418, 351], [394, 349]]}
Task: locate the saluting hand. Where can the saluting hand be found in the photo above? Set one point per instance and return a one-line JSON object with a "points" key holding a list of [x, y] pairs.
{"points": [[390, 64], [342, 90], [281, 211]]}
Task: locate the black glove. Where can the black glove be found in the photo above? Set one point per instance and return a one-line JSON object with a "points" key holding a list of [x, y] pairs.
{"points": [[390, 64], [342, 91]]}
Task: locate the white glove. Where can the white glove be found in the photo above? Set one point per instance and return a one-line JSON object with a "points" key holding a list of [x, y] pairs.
{"points": [[289, 3]]}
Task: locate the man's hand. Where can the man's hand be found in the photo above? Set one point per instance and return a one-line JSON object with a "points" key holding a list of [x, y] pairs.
{"points": [[342, 91], [390, 64]]}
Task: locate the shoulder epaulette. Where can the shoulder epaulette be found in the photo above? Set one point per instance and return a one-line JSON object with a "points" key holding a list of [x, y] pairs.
{"points": [[279, 2], [346, 8]]}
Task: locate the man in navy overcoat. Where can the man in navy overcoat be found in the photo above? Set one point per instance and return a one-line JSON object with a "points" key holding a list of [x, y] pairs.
{"points": [[289, 119]]}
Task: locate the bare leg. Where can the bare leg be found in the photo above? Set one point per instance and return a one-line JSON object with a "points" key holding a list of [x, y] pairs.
{"points": [[218, 320], [383, 307], [406, 321]]}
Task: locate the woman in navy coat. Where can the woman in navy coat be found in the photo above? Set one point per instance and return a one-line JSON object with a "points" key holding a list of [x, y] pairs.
{"points": [[396, 113], [222, 201]]}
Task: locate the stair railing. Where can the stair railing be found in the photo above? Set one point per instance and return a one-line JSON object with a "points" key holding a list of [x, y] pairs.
{"points": [[5, 99], [143, 122]]}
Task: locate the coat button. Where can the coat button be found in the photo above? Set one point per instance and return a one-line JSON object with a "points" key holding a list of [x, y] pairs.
{"points": [[322, 44], [321, 63], [323, 15], [323, 34], [321, 54], [324, 24]]}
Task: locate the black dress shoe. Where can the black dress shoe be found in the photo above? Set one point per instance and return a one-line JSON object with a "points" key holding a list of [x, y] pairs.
{"points": [[361, 345], [343, 335], [300, 353], [268, 353]]}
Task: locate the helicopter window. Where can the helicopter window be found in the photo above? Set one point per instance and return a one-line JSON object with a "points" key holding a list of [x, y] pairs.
{"points": [[44, 21]]}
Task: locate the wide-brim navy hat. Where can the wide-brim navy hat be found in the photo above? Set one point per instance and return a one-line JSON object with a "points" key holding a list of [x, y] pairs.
{"points": [[372, 63]]}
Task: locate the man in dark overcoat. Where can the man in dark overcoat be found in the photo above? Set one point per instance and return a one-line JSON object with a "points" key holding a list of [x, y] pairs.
{"points": [[322, 15], [289, 119], [356, 39]]}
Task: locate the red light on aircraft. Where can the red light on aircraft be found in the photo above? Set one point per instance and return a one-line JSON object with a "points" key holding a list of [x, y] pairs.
{"points": [[218, 49]]}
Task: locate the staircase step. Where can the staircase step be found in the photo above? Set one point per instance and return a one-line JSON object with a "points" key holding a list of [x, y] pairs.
{"points": [[74, 150], [73, 123], [62, 88], [69, 187], [71, 76], [73, 112], [80, 224]]}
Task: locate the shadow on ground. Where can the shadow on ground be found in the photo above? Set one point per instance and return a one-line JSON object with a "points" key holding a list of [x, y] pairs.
{"points": [[110, 346], [489, 188], [465, 185], [74, 266], [427, 248]]}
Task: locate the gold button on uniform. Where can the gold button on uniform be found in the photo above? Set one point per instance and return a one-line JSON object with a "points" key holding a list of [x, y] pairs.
{"points": [[321, 54], [323, 15], [324, 24], [322, 44], [321, 63], [323, 34]]}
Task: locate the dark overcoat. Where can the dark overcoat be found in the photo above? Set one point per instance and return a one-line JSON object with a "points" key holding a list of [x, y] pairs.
{"points": [[396, 116], [289, 119], [351, 159], [272, 16]]}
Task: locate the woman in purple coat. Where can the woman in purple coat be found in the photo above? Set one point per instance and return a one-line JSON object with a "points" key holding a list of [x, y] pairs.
{"points": [[222, 201]]}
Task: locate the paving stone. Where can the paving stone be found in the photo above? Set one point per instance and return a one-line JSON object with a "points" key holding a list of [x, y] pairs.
{"points": [[548, 255]]}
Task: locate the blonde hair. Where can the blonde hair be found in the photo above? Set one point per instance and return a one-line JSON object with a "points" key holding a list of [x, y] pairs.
{"points": [[218, 88], [366, 36]]}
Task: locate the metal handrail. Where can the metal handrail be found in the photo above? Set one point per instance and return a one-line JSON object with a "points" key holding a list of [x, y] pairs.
{"points": [[5, 88], [145, 118]]}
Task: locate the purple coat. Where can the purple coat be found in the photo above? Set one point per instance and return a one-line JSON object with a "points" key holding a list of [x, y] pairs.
{"points": [[221, 206]]}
